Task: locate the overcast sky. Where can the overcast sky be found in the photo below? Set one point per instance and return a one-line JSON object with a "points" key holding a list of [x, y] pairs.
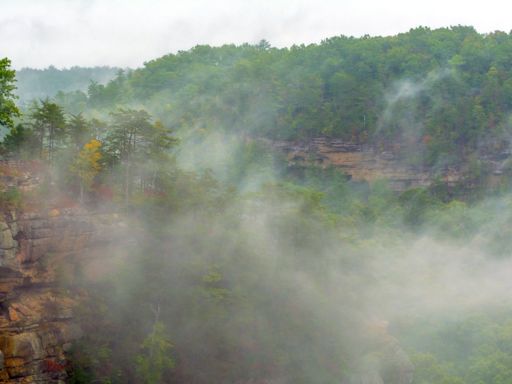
{"points": [[38, 33]]}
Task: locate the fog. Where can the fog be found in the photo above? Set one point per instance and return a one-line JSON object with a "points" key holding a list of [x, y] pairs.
{"points": [[263, 288], [124, 33], [234, 264]]}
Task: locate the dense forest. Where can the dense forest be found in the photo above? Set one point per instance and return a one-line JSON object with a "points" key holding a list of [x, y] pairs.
{"points": [[446, 91], [40, 83], [244, 269]]}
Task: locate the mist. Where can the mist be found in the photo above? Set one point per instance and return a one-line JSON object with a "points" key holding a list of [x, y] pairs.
{"points": [[264, 219], [270, 285], [53, 31]]}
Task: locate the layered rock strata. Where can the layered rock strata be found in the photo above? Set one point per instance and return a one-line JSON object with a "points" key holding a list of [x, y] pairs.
{"points": [[367, 163], [38, 252]]}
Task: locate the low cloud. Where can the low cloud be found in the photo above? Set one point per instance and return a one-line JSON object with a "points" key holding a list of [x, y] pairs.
{"points": [[127, 33]]}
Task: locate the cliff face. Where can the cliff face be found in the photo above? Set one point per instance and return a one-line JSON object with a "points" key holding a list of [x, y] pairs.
{"points": [[37, 252], [368, 163]]}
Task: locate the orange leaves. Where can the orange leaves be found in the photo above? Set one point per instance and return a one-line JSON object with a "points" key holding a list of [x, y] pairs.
{"points": [[88, 163]]}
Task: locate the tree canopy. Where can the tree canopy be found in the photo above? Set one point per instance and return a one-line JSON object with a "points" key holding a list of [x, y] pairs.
{"points": [[8, 108], [447, 91]]}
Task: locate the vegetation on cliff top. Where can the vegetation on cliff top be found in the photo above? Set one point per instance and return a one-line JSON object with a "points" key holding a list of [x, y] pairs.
{"points": [[261, 272], [446, 92], [8, 108]]}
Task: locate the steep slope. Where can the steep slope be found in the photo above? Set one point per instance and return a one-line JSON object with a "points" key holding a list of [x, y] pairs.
{"points": [[369, 163], [38, 250]]}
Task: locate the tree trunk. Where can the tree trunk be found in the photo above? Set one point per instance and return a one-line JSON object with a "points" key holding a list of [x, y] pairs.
{"points": [[81, 192], [127, 182]]}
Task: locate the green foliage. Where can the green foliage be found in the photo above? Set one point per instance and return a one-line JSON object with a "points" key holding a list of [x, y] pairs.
{"points": [[247, 264], [133, 151], [43, 83], [417, 202], [138, 146], [90, 365], [10, 199], [48, 124], [428, 370], [79, 130], [20, 142], [8, 108], [155, 359], [442, 94], [474, 350]]}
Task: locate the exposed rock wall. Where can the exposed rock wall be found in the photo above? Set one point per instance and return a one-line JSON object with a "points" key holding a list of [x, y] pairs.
{"points": [[367, 163], [24, 175], [36, 313]]}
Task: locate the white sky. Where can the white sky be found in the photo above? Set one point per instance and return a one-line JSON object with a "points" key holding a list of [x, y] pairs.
{"points": [[38, 33]]}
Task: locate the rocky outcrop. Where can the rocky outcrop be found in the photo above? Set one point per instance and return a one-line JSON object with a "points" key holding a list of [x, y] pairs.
{"points": [[368, 163], [23, 175], [38, 252]]}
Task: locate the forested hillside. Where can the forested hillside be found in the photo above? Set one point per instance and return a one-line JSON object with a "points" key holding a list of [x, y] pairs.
{"points": [[446, 91], [240, 266], [41, 83]]}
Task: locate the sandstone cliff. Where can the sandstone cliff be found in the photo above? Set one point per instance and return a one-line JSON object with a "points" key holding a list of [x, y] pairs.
{"points": [[38, 251], [367, 163]]}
